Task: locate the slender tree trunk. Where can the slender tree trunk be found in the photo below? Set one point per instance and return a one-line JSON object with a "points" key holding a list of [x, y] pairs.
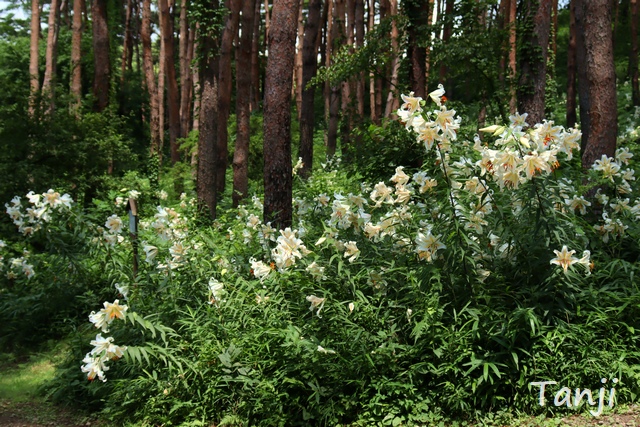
{"points": [[533, 63], [596, 80], [48, 84], [173, 95], [224, 90], [277, 115], [309, 69], [76, 58], [571, 68], [633, 55], [243, 110], [329, 6], [255, 60], [342, 11], [334, 93], [297, 69], [359, 24], [195, 77], [206, 187], [513, 99], [150, 79], [392, 97], [427, 50], [161, 85], [267, 20], [446, 36], [186, 50], [375, 111], [34, 56], [101, 62], [417, 15], [127, 45]]}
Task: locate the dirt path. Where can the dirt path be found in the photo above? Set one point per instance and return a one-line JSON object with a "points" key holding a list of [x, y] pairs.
{"points": [[39, 414]]}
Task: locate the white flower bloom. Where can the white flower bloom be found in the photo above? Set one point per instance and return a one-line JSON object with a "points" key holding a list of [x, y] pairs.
{"points": [[133, 194], [325, 351], [260, 269], [216, 289], [351, 307], [351, 250], [94, 366], [114, 224], [316, 271], [316, 303], [400, 177], [150, 252]]}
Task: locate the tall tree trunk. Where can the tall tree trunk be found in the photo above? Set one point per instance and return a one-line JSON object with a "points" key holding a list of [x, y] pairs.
{"points": [[343, 11], [243, 110], [161, 86], [533, 61], [596, 80], [224, 90], [186, 49], [359, 23], [206, 187], [101, 63], [34, 56], [255, 60], [48, 84], [150, 79], [297, 68], [127, 45], [513, 99], [375, 111], [173, 95], [633, 55], [76, 58], [417, 15], [446, 36], [571, 68], [277, 115], [334, 89], [195, 77], [392, 97], [309, 69]]}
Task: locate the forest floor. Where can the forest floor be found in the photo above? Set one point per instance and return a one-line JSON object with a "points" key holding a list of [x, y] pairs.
{"points": [[21, 404]]}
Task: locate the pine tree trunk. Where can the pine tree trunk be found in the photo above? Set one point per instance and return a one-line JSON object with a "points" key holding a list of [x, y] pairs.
{"points": [[208, 134], [533, 62], [277, 114], [243, 101], [375, 111], [173, 95], [34, 56], [446, 35], [76, 58], [417, 16], [224, 90], [309, 69], [185, 47], [297, 69], [334, 90], [596, 80], [161, 86], [150, 79], [513, 99], [48, 84], [127, 45], [255, 60], [571, 68], [633, 55], [392, 97], [359, 34], [101, 63]]}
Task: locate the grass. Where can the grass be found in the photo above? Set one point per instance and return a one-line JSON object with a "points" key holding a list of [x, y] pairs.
{"points": [[19, 381]]}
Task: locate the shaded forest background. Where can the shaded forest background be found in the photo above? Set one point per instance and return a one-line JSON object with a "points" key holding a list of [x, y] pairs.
{"points": [[214, 97]]}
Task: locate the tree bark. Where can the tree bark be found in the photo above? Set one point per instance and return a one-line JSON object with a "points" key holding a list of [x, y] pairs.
{"points": [[512, 78], [34, 56], [309, 69], [185, 55], [359, 34], [208, 134], [101, 63], [76, 58], [571, 68], [224, 90], [173, 95], [392, 97], [446, 35], [633, 55], [417, 14], [243, 110], [596, 80], [127, 45], [48, 84], [255, 60], [297, 69], [533, 61], [375, 111], [277, 114], [150, 79], [334, 89]]}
